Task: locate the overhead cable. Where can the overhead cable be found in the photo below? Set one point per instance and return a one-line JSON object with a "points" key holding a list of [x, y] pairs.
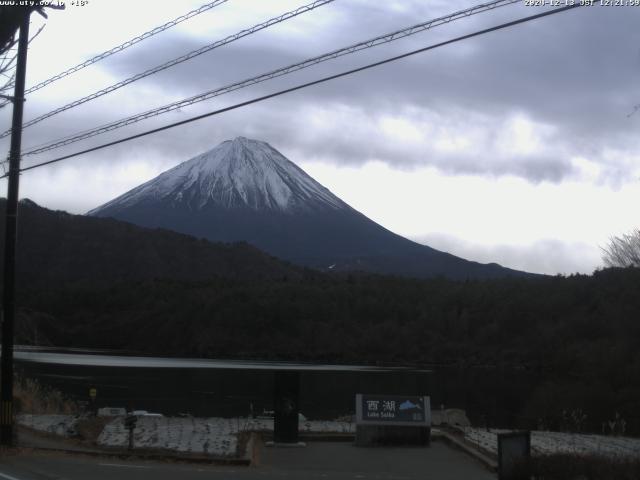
{"points": [[126, 44], [305, 85], [176, 61], [386, 38]]}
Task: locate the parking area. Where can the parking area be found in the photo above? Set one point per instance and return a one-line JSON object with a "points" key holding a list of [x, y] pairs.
{"points": [[342, 460]]}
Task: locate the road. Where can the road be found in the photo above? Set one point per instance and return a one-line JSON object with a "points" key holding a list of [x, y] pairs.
{"points": [[318, 460]]}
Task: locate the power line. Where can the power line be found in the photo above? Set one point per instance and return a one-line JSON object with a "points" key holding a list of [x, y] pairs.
{"points": [[386, 38], [305, 85], [127, 44], [176, 61]]}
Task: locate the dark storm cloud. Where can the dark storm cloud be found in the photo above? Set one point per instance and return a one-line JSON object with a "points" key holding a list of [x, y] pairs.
{"points": [[574, 75]]}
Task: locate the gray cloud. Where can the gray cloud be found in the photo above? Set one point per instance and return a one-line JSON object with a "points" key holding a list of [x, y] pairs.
{"points": [[524, 102], [574, 75]]}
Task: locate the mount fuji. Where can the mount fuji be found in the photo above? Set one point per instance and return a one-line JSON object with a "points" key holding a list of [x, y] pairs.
{"points": [[245, 190]]}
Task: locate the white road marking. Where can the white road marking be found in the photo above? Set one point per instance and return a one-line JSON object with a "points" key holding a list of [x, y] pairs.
{"points": [[8, 477], [120, 465]]}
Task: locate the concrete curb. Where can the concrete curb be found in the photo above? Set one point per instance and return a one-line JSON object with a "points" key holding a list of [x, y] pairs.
{"points": [[327, 437], [315, 437], [69, 447], [143, 455], [452, 440]]}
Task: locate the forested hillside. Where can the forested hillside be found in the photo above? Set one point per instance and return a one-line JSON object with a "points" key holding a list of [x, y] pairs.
{"points": [[578, 335], [91, 282], [55, 247]]}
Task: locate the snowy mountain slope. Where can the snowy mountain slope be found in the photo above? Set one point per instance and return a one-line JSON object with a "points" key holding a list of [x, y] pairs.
{"points": [[245, 190], [237, 173]]}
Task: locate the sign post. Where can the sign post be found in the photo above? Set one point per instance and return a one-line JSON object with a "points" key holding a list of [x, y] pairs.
{"points": [[130, 424], [286, 407], [93, 393], [11, 229], [514, 454]]}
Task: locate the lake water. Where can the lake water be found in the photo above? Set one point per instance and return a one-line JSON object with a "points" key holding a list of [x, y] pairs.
{"points": [[204, 387]]}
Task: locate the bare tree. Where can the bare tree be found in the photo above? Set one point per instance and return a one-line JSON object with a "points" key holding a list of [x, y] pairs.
{"points": [[8, 57], [10, 18], [623, 251]]}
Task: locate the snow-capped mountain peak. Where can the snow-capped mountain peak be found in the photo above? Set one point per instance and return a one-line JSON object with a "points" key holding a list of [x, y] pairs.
{"points": [[238, 173], [245, 190]]}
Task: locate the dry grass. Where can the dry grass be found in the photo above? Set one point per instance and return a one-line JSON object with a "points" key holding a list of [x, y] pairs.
{"points": [[90, 428], [33, 397], [243, 442]]}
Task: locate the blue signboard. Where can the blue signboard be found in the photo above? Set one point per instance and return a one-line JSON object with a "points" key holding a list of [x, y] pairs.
{"points": [[393, 410]]}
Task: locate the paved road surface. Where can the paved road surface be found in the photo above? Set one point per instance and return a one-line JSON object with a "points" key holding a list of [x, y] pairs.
{"points": [[318, 460], [344, 461]]}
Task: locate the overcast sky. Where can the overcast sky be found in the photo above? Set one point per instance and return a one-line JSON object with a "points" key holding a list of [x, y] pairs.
{"points": [[518, 147]]}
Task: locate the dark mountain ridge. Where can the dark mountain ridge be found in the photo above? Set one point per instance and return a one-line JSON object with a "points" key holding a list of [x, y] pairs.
{"points": [[55, 247]]}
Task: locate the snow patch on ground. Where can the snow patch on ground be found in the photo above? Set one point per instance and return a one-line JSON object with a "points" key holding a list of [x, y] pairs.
{"points": [[210, 436], [306, 426], [63, 425], [206, 436], [219, 436], [544, 443]]}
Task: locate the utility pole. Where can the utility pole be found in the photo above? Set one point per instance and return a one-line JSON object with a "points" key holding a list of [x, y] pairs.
{"points": [[8, 304]]}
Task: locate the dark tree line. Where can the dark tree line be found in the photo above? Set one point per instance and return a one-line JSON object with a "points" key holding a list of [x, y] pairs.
{"points": [[579, 334], [102, 283]]}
